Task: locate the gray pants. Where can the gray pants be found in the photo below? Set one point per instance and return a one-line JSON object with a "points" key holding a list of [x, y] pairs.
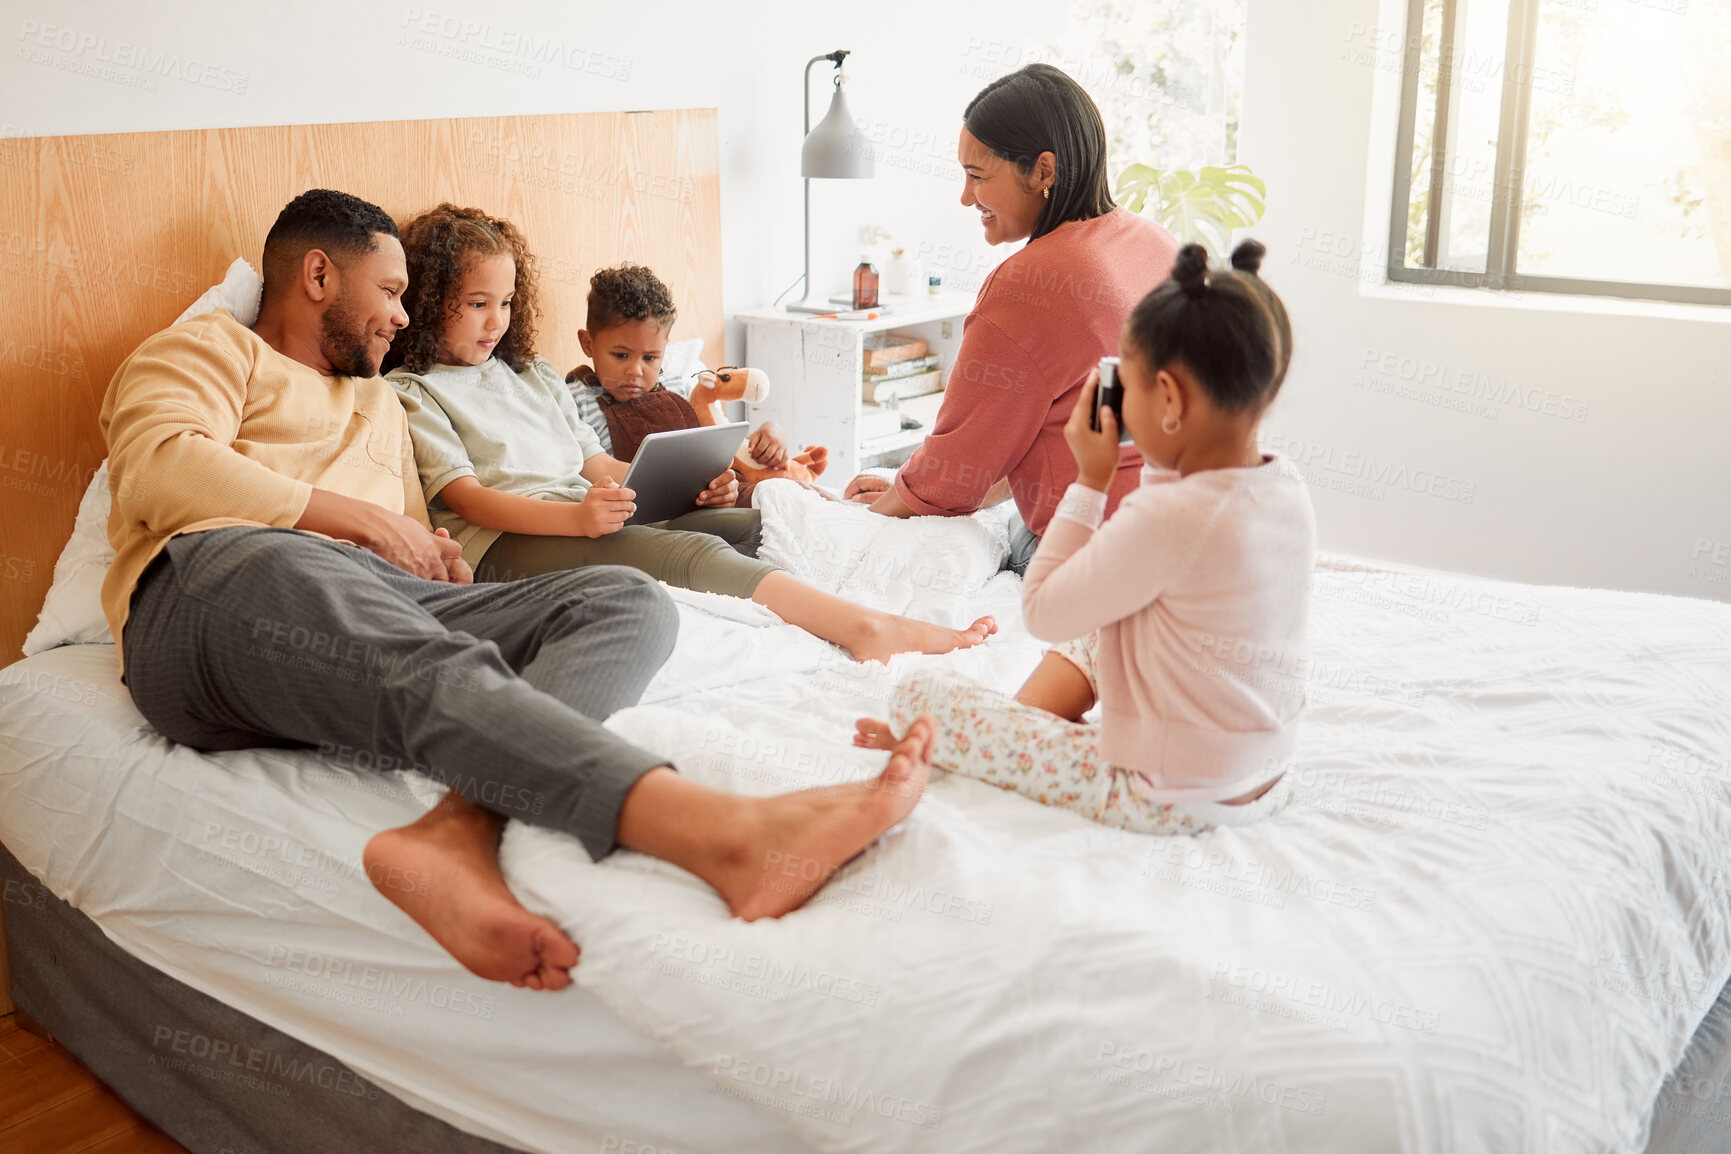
{"points": [[1023, 546], [710, 550], [244, 637]]}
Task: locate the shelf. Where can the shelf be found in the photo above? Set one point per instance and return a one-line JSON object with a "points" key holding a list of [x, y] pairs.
{"points": [[925, 409], [906, 310]]}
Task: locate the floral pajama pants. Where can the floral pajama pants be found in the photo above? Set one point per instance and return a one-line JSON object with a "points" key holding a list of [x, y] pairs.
{"points": [[988, 735]]}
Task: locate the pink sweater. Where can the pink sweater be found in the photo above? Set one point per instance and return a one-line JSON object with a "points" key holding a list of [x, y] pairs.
{"points": [[1042, 320], [1200, 588]]}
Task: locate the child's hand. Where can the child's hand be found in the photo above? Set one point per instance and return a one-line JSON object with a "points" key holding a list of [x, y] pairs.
{"points": [[605, 509], [1096, 453], [721, 494], [767, 447]]}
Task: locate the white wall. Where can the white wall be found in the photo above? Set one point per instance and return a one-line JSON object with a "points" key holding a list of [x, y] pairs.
{"points": [[1626, 497], [317, 61], [1636, 495]]}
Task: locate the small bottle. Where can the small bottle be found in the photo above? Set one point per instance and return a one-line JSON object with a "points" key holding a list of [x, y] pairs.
{"points": [[934, 284], [865, 283]]}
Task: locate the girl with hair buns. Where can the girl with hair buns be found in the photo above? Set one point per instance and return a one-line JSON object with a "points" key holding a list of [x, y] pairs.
{"points": [[1184, 615], [1033, 157]]}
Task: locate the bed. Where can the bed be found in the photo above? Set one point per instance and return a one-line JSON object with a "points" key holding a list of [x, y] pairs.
{"points": [[1495, 915], [1492, 917]]}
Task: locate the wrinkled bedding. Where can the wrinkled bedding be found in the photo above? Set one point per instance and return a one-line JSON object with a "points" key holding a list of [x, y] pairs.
{"points": [[1490, 918]]}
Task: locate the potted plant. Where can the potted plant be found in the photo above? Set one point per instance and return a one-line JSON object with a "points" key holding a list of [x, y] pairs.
{"points": [[1196, 207]]}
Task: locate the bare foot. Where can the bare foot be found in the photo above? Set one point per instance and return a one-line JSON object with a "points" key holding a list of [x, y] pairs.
{"points": [[793, 843], [880, 636], [870, 733], [443, 871]]}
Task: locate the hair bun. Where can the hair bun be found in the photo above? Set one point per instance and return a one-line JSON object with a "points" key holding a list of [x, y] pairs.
{"points": [[1190, 270], [1247, 257]]}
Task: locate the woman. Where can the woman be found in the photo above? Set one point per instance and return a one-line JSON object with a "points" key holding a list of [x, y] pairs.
{"points": [[1033, 156]]}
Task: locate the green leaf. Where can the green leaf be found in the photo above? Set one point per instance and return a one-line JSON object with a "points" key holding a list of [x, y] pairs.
{"points": [[1202, 207]]}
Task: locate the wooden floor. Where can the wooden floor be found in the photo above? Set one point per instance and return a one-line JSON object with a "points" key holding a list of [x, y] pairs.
{"points": [[50, 1104]]}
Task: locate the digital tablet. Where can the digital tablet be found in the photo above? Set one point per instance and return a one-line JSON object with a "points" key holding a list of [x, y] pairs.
{"points": [[672, 469]]}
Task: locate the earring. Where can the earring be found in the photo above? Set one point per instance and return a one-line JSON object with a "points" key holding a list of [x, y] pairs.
{"points": [[1046, 193], [1171, 425]]}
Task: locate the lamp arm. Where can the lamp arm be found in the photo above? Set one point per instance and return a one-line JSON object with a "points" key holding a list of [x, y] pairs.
{"points": [[807, 91], [838, 57]]}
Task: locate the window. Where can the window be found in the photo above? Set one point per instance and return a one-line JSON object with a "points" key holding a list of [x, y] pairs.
{"points": [[1571, 146], [1167, 75]]}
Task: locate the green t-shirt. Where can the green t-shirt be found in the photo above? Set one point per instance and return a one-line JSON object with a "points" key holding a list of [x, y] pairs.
{"points": [[515, 432]]}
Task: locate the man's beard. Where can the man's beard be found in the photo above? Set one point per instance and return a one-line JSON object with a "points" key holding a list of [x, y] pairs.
{"points": [[344, 343]]}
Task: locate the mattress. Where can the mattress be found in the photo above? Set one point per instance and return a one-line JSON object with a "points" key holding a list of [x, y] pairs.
{"points": [[1491, 917], [239, 875]]}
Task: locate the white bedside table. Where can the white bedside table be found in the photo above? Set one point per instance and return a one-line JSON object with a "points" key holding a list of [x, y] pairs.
{"points": [[814, 369]]}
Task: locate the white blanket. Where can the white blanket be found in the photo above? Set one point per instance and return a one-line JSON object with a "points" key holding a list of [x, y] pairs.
{"points": [[1490, 919]]}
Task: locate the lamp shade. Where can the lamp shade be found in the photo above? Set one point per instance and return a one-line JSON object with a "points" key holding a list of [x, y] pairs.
{"points": [[835, 148]]}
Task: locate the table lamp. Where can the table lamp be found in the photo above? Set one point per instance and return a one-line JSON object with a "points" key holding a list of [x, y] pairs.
{"points": [[834, 150]]}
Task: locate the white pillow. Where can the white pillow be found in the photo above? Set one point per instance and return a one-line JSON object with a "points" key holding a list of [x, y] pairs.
{"points": [[681, 361], [238, 294], [72, 612], [925, 567]]}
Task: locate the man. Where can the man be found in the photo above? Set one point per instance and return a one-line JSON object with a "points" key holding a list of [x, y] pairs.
{"points": [[276, 583]]}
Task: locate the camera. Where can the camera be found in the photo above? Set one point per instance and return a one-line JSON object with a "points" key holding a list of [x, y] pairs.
{"points": [[1109, 394]]}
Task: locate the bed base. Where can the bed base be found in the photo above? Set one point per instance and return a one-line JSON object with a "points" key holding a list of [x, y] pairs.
{"points": [[214, 1079], [142, 1033]]}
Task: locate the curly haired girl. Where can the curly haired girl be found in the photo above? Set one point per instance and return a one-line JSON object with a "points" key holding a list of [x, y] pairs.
{"points": [[515, 475]]}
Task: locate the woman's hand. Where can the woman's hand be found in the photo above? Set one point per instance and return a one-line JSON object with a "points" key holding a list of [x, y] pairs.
{"points": [[1096, 453], [605, 509], [866, 488], [721, 494], [767, 446]]}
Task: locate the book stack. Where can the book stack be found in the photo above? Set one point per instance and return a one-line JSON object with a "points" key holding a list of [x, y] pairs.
{"points": [[898, 367], [887, 348], [903, 379]]}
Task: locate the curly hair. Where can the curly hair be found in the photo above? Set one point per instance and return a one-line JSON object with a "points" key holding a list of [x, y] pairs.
{"points": [[629, 292], [440, 245]]}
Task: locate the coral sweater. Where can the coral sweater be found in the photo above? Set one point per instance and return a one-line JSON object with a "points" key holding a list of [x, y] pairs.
{"points": [[1200, 588], [1043, 319], [209, 426]]}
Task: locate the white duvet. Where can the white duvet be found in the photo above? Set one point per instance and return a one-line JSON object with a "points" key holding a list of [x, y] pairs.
{"points": [[1490, 919]]}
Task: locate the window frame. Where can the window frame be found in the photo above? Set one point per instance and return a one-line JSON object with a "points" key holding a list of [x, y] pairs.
{"points": [[1503, 248]]}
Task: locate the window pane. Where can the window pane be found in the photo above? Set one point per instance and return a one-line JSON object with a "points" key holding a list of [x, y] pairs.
{"points": [[1475, 105], [1628, 172], [1167, 75], [1424, 122], [1464, 89]]}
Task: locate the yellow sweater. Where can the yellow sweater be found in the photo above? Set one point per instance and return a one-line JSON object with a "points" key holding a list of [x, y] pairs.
{"points": [[208, 426]]}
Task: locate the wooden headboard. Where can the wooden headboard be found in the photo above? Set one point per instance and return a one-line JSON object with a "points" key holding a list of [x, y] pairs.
{"points": [[106, 239]]}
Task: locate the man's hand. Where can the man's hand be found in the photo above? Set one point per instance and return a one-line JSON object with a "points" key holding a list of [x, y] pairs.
{"points": [[403, 541], [767, 446], [721, 494], [865, 488], [1096, 453], [457, 570], [605, 509]]}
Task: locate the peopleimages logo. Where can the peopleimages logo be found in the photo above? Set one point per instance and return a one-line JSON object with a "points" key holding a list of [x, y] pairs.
{"points": [[1365, 474], [90, 50], [789, 1090]]}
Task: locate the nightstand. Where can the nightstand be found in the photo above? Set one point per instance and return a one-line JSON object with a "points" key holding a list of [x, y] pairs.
{"points": [[815, 366]]}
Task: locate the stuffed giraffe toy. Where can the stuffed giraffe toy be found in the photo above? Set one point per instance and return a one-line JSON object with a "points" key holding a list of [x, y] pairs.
{"points": [[714, 388]]}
